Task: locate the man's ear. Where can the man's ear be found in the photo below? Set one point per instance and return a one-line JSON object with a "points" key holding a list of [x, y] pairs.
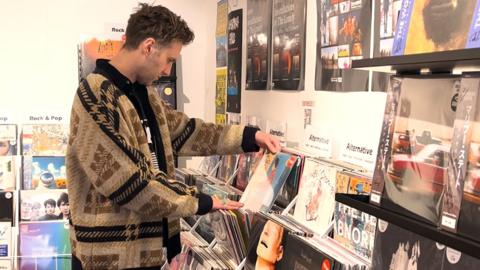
{"points": [[280, 253], [146, 46]]}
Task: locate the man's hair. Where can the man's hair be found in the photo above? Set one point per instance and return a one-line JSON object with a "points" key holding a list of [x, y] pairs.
{"points": [[156, 22], [49, 202], [63, 198]]}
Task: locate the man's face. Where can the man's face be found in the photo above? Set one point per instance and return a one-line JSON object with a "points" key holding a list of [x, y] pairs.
{"points": [[269, 246], [158, 62], [4, 147], [65, 208], [49, 209]]}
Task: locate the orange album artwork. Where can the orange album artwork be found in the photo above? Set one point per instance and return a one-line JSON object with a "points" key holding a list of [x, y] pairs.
{"points": [[439, 25], [93, 49]]}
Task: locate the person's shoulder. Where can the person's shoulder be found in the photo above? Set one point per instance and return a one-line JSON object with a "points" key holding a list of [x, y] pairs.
{"points": [[95, 80]]}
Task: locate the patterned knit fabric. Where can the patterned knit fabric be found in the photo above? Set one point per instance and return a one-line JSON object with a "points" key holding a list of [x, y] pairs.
{"points": [[117, 198]]}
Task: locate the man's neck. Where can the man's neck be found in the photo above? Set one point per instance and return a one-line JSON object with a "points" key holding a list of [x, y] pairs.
{"points": [[262, 264], [123, 62]]}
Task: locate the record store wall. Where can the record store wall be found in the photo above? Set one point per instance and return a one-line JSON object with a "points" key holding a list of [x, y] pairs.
{"points": [[39, 52], [347, 116]]}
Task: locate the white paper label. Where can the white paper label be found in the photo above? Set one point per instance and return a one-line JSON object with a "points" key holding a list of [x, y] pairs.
{"points": [[317, 141], [448, 222], [279, 130], [375, 198], [361, 155], [453, 256], [382, 225]]}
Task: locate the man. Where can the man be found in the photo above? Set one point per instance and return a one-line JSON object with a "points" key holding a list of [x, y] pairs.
{"points": [[63, 205], [49, 205], [124, 204]]}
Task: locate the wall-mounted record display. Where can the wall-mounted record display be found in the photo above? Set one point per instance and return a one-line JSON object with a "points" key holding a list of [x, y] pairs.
{"points": [[234, 76], [343, 35], [258, 44], [288, 38]]}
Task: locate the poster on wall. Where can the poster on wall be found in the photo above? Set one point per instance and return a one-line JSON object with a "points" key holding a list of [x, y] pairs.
{"points": [[104, 45], [234, 76], [288, 38], [221, 62], [436, 25], [220, 95], [343, 36], [258, 44]]}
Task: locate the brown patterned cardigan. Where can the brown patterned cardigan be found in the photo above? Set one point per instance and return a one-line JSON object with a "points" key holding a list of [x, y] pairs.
{"points": [[117, 199]]}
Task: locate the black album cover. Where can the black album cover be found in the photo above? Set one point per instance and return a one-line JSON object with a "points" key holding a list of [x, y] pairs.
{"points": [[399, 249], [298, 254], [414, 148], [167, 90], [6, 209], [234, 76], [258, 43], [343, 35], [288, 38]]}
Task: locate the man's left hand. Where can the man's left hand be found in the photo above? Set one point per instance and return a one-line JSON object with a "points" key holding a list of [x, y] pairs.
{"points": [[267, 141]]}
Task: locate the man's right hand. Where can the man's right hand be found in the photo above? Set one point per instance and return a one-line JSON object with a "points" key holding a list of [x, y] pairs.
{"points": [[225, 204]]}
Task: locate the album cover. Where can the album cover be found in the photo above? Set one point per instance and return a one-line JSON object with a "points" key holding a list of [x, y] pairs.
{"points": [[44, 173], [6, 209], [221, 51], [95, 48], [43, 205], [8, 172], [266, 245], [221, 95], [298, 254], [436, 25], [209, 165], [290, 190], [343, 35], [167, 90], [6, 243], [411, 167], [227, 167], [316, 196], [258, 43], [205, 228], [454, 259], [234, 77], [399, 249], [269, 177], [353, 183], [45, 140], [8, 140], [288, 38], [355, 230], [40, 240]]}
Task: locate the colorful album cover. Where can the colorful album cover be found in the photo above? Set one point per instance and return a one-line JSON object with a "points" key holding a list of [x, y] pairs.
{"points": [[415, 145], [221, 51], [247, 164], [290, 189], [221, 94], [316, 196], [436, 25], [298, 254], [40, 240], [355, 230], [45, 140], [234, 77], [6, 209], [43, 205], [8, 140], [167, 90], [258, 43], [265, 249], [288, 38], [396, 248], [96, 48], [343, 36], [6, 244], [269, 177], [8, 172], [227, 167], [44, 173]]}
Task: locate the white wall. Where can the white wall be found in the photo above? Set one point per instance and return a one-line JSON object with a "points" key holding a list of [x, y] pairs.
{"points": [[38, 51]]}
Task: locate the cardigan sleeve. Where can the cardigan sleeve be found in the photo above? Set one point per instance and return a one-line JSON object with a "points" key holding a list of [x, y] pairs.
{"points": [[101, 154], [194, 137]]}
